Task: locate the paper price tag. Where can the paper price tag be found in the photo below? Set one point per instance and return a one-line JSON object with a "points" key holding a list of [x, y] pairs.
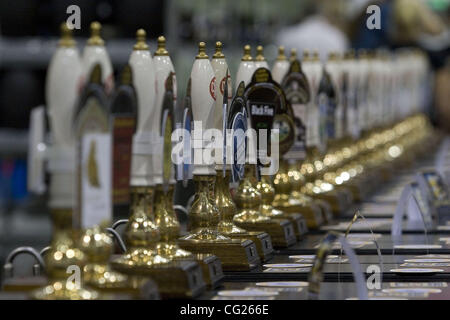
{"points": [[418, 284], [287, 270]]}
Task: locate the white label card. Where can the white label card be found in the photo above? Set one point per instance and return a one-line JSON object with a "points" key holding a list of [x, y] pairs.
{"points": [[95, 179]]}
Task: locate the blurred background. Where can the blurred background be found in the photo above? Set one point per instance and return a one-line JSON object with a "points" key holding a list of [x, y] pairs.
{"points": [[29, 32]]}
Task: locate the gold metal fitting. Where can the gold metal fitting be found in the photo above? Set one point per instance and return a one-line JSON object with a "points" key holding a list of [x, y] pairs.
{"points": [[332, 56], [293, 56], [204, 216], [315, 56], [218, 54], [260, 54], [248, 201], [141, 234], [247, 53], [362, 53], [226, 206], [201, 51], [267, 192], [161, 51], [281, 56], [96, 77], [306, 55], [63, 254], [66, 40], [126, 75], [350, 54], [296, 181], [97, 246], [168, 225], [95, 39], [282, 186], [141, 36]]}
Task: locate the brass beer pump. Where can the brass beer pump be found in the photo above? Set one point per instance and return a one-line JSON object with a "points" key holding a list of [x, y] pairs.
{"points": [[227, 226], [144, 258], [235, 120], [204, 236], [96, 243], [288, 180], [280, 229], [165, 216], [167, 222], [320, 157], [64, 253], [64, 250]]}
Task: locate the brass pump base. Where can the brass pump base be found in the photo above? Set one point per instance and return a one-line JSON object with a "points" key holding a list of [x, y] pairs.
{"points": [[61, 290], [262, 241], [281, 231], [97, 246], [326, 210], [228, 210], [250, 216], [312, 214], [204, 237], [235, 254], [211, 269], [299, 223], [169, 228], [177, 279], [63, 254], [289, 199], [337, 200], [267, 192]]}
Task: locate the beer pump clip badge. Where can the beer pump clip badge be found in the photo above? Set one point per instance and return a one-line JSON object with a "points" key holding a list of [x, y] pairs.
{"points": [[267, 108], [166, 131], [237, 122], [296, 88], [225, 122], [95, 147], [123, 116], [187, 153]]}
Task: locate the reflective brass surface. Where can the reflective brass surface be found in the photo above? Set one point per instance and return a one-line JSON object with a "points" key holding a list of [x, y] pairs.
{"points": [[289, 198], [63, 255], [204, 237], [211, 267], [250, 217], [141, 234], [248, 201], [95, 38], [204, 216], [350, 170], [168, 225], [66, 39], [175, 278], [226, 206], [265, 187], [228, 210], [141, 44], [167, 222], [97, 246], [161, 50]]}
